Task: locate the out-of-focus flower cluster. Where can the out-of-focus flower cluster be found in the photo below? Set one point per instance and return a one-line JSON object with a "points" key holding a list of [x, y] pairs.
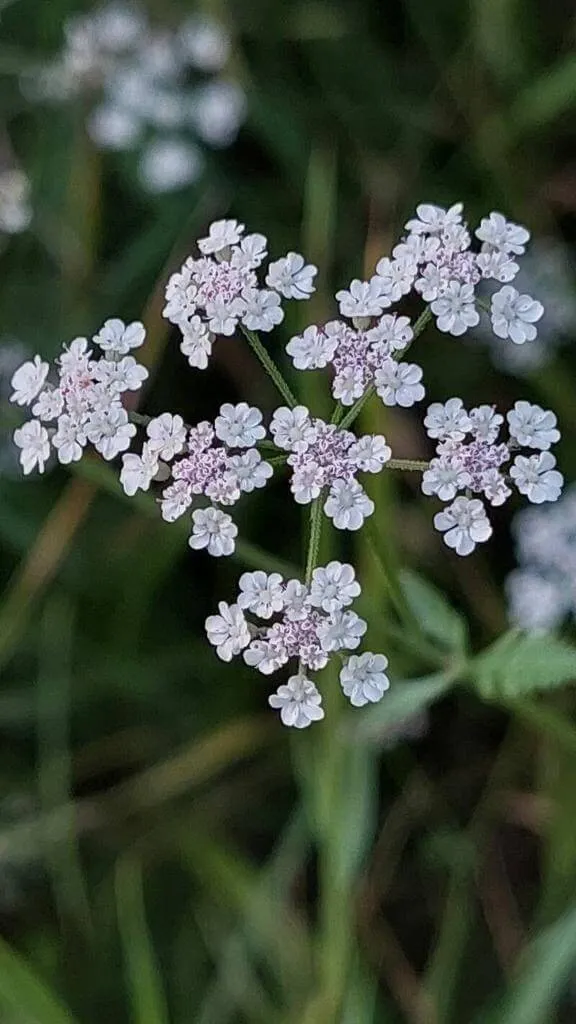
{"points": [[542, 590], [307, 624], [158, 90], [15, 208]]}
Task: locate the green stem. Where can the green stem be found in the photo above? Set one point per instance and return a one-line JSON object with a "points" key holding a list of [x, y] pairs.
{"points": [[414, 465], [270, 366], [314, 538]]}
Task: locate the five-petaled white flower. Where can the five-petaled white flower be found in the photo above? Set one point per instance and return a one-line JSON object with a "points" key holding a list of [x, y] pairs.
{"points": [[532, 426], [292, 429], [514, 315], [499, 235], [333, 586], [362, 299], [214, 530], [261, 593], [399, 383], [363, 678], [32, 439], [536, 477], [314, 348], [292, 276], [221, 235], [433, 220], [454, 310], [464, 525], [28, 381], [348, 505], [138, 471], [228, 632], [447, 420], [116, 338], [239, 426], [166, 436], [298, 702]]}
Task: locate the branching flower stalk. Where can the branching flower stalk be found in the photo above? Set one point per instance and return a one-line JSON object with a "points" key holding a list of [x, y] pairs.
{"points": [[203, 470]]}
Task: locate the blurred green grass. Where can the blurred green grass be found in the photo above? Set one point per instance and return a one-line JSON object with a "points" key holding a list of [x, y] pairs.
{"points": [[167, 852]]}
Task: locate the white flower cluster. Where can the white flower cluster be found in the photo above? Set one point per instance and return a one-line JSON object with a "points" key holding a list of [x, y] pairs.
{"points": [[470, 458], [84, 403], [309, 624], [435, 259], [323, 455], [542, 590], [218, 461], [161, 90], [213, 294]]}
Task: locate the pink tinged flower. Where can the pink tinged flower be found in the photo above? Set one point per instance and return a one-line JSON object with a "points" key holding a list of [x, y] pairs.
{"points": [[298, 702], [370, 453], [109, 431], [33, 441], [262, 310], [532, 426], [221, 235], [261, 593], [448, 420], [313, 349], [28, 381], [348, 505], [433, 220], [494, 487], [497, 266], [117, 339], [166, 436], [214, 530], [536, 477], [69, 440], [333, 587], [196, 343], [228, 632], [250, 470], [454, 310], [514, 315], [399, 383], [176, 500], [444, 478], [363, 678], [239, 426], [138, 471], [292, 429], [498, 234], [292, 276], [485, 423], [49, 404], [363, 299], [464, 525], [342, 631]]}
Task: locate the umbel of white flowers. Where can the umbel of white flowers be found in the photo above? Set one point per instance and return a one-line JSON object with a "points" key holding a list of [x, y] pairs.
{"points": [[203, 470]]}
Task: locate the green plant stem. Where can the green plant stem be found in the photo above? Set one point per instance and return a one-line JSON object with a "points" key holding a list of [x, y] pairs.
{"points": [[270, 366], [314, 537], [412, 465]]}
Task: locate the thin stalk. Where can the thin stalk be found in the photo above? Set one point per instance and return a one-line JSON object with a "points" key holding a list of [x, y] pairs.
{"points": [[270, 366], [314, 538], [412, 465]]}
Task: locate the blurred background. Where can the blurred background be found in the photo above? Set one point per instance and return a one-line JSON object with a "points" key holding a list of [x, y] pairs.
{"points": [[168, 852]]}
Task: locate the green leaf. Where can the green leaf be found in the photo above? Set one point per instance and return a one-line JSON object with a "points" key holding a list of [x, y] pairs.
{"points": [[404, 701], [436, 617], [547, 966], [519, 664], [22, 992], [142, 971]]}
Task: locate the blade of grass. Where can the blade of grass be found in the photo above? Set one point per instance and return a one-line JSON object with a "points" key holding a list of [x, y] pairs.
{"points": [[147, 1000], [25, 995]]}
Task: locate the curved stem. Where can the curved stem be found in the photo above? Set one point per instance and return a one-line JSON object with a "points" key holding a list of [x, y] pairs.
{"points": [[270, 366]]}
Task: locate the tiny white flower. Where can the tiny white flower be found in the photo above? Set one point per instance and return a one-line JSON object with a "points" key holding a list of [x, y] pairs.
{"points": [[109, 431], [485, 423], [363, 299], [395, 277], [214, 530], [494, 487], [196, 343], [223, 316], [298, 701], [314, 348], [49, 404], [395, 331], [117, 338], [363, 678], [532, 426], [304, 484], [250, 253], [292, 429], [496, 233], [261, 593], [239, 426], [122, 375], [75, 358], [349, 384], [536, 477], [431, 282], [181, 296], [69, 440], [264, 657], [176, 500], [33, 441], [333, 587], [448, 420], [292, 276], [370, 453], [167, 436], [28, 381], [221, 235], [454, 310], [262, 310], [399, 383], [497, 266], [433, 220], [250, 470], [228, 632], [348, 505], [464, 525], [444, 478], [138, 471], [296, 601], [343, 630], [514, 315]]}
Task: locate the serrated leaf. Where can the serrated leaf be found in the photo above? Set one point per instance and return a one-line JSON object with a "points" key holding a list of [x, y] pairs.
{"points": [[436, 616], [519, 664], [403, 702]]}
